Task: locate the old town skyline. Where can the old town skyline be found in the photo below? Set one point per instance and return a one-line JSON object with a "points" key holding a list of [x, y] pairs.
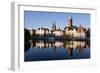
{"points": [[35, 20]]}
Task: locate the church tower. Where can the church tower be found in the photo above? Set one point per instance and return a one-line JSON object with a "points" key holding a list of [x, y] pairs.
{"points": [[54, 25], [70, 21]]}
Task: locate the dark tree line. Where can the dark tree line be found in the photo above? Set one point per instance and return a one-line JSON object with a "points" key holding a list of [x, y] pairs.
{"points": [[27, 35]]}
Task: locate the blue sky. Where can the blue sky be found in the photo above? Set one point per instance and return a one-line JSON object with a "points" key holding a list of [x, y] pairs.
{"points": [[35, 19]]}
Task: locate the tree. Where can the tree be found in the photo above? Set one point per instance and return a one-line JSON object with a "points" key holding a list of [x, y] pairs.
{"points": [[27, 35]]}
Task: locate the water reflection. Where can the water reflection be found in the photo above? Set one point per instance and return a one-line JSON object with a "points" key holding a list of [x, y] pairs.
{"points": [[56, 50], [57, 44]]}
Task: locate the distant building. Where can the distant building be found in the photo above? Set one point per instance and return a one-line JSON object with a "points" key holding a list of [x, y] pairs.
{"points": [[42, 31], [32, 32], [74, 31], [81, 32], [71, 33], [55, 31], [58, 32], [70, 21], [54, 25], [70, 30]]}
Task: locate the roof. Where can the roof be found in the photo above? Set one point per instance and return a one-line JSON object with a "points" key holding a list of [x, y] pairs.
{"points": [[43, 28]]}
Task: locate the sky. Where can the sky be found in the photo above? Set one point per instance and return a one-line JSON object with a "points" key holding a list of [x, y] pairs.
{"points": [[36, 19]]}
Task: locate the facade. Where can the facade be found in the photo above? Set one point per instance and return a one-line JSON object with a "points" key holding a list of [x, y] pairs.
{"points": [[58, 32], [32, 32], [42, 31], [72, 31], [81, 32]]}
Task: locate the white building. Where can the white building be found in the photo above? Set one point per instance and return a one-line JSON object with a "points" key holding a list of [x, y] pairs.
{"points": [[32, 31], [71, 32], [80, 32], [58, 32], [42, 31]]}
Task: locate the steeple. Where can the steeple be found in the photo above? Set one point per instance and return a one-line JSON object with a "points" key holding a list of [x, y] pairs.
{"points": [[70, 21], [70, 17], [54, 25]]}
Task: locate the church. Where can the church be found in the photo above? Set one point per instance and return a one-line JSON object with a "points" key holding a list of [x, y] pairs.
{"points": [[74, 31]]}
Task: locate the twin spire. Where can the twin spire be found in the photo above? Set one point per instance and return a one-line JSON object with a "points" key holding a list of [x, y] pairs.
{"points": [[70, 23]]}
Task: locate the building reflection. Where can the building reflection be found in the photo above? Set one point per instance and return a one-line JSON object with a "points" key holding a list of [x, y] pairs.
{"points": [[75, 45], [69, 46], [46, 44]]}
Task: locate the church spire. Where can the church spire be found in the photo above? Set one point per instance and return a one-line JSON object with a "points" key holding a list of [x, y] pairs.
{"points": [[70, 21], [70, 17], [54, 25]]}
